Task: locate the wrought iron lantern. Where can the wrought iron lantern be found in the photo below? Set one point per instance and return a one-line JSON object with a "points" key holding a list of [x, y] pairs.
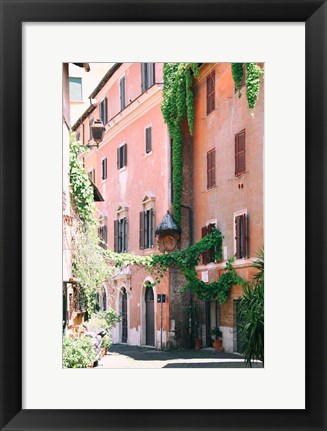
{"points": [[97, 132]]}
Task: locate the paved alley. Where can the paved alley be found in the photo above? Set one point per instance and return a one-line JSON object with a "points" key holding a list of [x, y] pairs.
{"points": [[124, 356]]}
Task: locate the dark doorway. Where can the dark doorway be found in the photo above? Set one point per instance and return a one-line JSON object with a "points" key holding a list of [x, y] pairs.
{"points": [[124, 315], [149, 316]]}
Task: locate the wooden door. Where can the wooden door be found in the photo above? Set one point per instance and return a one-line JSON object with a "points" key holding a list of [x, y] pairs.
{"points": [[149, 316]]}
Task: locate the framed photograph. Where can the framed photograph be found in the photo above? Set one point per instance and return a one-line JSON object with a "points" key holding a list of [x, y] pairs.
{"points": [[38, 39]]}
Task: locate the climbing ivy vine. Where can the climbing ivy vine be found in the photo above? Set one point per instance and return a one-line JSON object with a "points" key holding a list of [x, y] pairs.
{"points": [[89, 261], [186, 261], [176, 106], [81, 188], [252, 80]]}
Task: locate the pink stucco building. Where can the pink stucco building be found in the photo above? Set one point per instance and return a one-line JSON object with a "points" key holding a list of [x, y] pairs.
{"points": [[131, 170], [222, 186]]}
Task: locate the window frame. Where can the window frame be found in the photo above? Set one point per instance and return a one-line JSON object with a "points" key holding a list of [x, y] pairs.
{"points": [[147, 229], [103, 111], [122, 156], [241, 243], [147, 79], [121, 234]]}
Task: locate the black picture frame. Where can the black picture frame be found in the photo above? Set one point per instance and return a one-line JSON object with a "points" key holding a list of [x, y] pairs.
{"points": [[13, 14]]}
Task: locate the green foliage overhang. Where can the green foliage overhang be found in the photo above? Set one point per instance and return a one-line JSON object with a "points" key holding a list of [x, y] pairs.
{"points": [[252, 80], [178, 105]]}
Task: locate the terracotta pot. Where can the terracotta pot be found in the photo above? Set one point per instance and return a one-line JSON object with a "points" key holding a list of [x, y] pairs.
{"points": [[217, 344], [198, 344], [89, 366]]}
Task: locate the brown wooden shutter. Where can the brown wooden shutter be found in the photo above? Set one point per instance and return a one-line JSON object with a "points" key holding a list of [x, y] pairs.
{"points": [[116, 227], [142, 230], [118, 157], [237, 235], [211, 167], [210, 92], [240, 153], [204, 253], [105, 168]]}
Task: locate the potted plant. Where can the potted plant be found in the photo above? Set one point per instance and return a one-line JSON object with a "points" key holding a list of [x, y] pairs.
{"points": [[217, 342], [106, 343]]}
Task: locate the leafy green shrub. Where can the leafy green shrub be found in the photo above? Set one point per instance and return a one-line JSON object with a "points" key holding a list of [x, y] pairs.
{"points": [[251, 315], [78, 352], [110, 317]]}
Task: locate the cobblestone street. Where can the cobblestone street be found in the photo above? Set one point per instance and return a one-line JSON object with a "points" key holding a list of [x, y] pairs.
{"points": [[124, 356]]}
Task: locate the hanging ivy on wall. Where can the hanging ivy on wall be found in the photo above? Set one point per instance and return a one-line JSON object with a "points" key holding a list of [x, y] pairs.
{"points": [[89, 261], [176, 106], [81, 187], [237, 73], [252, 80], [187, 259]]}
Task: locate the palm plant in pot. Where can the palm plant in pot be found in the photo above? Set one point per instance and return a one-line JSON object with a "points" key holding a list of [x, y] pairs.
{"points": [[217, 342]]}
